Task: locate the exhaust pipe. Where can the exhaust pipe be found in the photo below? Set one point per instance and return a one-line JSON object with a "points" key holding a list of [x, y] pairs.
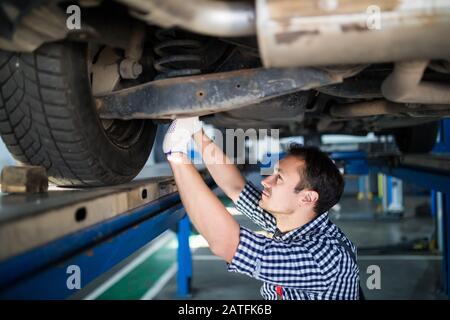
{"points": [[213, 18], [313, 33], [405, 85]]}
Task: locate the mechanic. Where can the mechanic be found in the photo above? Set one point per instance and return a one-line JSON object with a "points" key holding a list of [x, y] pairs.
{"points": [[307, 256]]}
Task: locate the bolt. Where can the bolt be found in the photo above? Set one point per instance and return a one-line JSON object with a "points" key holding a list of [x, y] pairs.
{"points": [[130, 69], [137, 69]]}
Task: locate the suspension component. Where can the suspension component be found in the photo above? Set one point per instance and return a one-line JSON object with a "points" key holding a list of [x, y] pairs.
{"points": [[130, 68], [176, 57]]}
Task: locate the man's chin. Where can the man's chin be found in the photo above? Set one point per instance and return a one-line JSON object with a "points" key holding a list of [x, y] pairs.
{"points": [[262, 204]]}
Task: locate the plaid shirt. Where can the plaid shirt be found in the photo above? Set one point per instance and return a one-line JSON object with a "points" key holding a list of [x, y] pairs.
{"points": [[306, 263]]}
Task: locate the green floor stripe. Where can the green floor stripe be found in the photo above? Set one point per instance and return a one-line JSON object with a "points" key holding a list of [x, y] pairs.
{"points": [[136, 283]]}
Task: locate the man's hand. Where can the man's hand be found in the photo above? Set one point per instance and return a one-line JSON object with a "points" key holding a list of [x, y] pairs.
{"points": [[179, 135]]}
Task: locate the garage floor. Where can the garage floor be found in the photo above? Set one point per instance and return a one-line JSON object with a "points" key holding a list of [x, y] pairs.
{"points": [[408, 270]]}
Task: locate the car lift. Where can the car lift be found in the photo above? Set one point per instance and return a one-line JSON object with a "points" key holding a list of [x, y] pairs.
{"points": [[42, 236], [430, 171]]}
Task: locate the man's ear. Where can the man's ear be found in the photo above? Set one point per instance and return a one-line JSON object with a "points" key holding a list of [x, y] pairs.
{"points": [[309, 197]]}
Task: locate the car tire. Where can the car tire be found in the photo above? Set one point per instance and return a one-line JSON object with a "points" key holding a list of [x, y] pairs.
{"points": [[48, 118]]}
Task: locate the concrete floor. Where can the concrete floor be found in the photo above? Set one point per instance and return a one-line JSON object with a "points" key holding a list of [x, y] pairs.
{"points": [[407, 270], [398, 246]]}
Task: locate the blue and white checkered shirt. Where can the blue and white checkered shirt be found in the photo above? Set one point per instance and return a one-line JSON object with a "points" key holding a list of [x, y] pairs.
{"points": [[307, 263]]}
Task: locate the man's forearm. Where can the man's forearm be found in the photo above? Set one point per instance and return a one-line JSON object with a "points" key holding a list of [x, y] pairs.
{"points": [[224, 172], [205, 210]]}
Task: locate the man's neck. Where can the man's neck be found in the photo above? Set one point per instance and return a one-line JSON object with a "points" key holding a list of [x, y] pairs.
{"points": [[289, 222]]}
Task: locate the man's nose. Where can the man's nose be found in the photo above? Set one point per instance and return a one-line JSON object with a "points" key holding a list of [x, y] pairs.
{"points": [[267, 182]]}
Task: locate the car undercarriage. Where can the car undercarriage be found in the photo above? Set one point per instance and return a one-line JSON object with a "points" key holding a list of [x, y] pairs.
{"points": [[84, 99]]}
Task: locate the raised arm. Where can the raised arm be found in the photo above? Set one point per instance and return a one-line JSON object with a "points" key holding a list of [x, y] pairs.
{"points": [[224, 172], [207, 213]]}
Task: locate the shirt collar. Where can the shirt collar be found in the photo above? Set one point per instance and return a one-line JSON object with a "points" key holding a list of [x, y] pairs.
{"points": [[319, 222]]}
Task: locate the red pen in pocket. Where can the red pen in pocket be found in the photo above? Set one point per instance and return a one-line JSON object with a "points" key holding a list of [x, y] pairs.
{"points": [[279, 291]]}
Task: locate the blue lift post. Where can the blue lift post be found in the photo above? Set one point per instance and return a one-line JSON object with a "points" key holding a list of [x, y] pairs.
{"points": [[443, 146], [184, 274], [42, 273]]}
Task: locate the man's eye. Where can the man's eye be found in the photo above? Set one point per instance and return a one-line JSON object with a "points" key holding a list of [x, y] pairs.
{"points": [[279, 177]]}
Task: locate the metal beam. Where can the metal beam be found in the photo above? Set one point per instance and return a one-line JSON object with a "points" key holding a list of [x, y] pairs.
{"points": [[105, 237], [32, 218], [211, 93], [429, 180], [22, 265], [51, 282]]}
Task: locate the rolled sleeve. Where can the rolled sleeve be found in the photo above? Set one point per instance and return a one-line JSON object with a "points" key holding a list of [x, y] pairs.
{"points": [[248, 204]]}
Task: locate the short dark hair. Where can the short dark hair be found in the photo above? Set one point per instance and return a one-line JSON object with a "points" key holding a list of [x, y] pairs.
{"points": [[319, 174]]}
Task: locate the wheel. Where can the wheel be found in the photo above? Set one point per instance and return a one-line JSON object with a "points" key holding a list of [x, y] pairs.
{"points": [[417, 139], [48, 118]]}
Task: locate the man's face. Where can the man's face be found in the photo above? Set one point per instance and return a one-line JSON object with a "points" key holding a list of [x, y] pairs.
{"points": [[279, 196]]}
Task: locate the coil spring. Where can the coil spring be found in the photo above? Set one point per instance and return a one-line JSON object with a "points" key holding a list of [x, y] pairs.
{"points": [[177, 57]]}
